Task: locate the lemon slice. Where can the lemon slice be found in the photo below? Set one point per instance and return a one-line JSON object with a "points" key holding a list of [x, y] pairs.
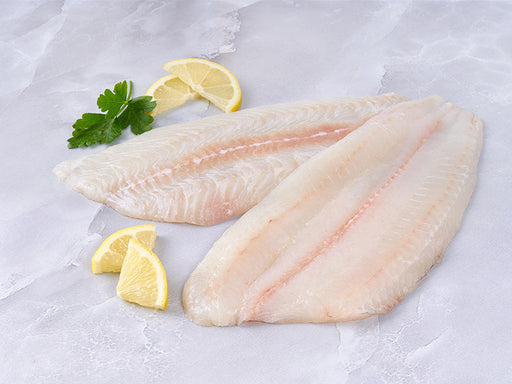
{"points": [[169, 92], [142, 279], [109, 256], [211, 80]]}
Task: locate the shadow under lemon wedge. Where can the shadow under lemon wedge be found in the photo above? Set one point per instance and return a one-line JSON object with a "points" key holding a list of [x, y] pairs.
{"points": [[192, 78]]}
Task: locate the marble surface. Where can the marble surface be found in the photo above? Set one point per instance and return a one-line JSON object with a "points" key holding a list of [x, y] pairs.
{"points": [[60, 323]]}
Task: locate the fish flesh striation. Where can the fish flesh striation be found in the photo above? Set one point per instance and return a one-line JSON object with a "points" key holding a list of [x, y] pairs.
{"points": [[206, 171], [350, 231]]}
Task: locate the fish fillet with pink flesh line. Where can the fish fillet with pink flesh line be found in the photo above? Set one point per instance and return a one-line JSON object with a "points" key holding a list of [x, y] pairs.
{"points": [[352, 230], [209, 170]]}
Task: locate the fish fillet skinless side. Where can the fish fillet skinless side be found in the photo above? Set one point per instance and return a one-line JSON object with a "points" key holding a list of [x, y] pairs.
{"points": [[206, 171], [352, 230]]}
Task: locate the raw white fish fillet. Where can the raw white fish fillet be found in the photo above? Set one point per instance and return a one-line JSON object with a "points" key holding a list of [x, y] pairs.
{"points": [[352, 230], [206, 171]]}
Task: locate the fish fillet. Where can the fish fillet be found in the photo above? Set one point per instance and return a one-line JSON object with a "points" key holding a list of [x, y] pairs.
{"points": [[206, 171], [352, 230]]}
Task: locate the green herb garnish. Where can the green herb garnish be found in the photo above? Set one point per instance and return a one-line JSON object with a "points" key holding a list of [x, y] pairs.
{"points": [[121, 112]]}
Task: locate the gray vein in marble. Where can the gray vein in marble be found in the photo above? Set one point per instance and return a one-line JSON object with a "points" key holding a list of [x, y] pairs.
{"points": [[17, 282], [29, 47]]}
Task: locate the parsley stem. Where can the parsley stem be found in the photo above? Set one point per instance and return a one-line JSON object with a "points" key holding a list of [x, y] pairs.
{"points": [[129, 92], [125, 103]]}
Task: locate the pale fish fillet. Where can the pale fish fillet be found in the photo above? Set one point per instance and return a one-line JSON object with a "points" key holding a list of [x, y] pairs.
{"points": [[352, 230], [209, 170]]}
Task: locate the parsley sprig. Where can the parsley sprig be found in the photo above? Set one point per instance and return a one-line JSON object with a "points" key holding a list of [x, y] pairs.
{"points": [[121, 111]]}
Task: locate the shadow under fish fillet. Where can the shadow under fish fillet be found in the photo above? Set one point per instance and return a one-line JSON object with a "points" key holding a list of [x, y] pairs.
{"points": [[206, 171], [352, 230]]}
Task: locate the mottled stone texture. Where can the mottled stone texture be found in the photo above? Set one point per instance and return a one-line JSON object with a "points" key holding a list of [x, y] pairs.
{"points": [[59, 323]]}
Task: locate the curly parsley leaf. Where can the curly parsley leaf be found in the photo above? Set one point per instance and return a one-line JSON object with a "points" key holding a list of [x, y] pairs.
{"points": [[121, 112]]}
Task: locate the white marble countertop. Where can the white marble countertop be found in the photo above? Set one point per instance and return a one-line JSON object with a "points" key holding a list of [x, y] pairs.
{"points": [[60, 323]]}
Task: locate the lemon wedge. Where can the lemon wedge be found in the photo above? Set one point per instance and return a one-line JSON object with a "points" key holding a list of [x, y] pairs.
{"points": [[211, 80], [169, 92], [109, 256], [142, 279]]}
